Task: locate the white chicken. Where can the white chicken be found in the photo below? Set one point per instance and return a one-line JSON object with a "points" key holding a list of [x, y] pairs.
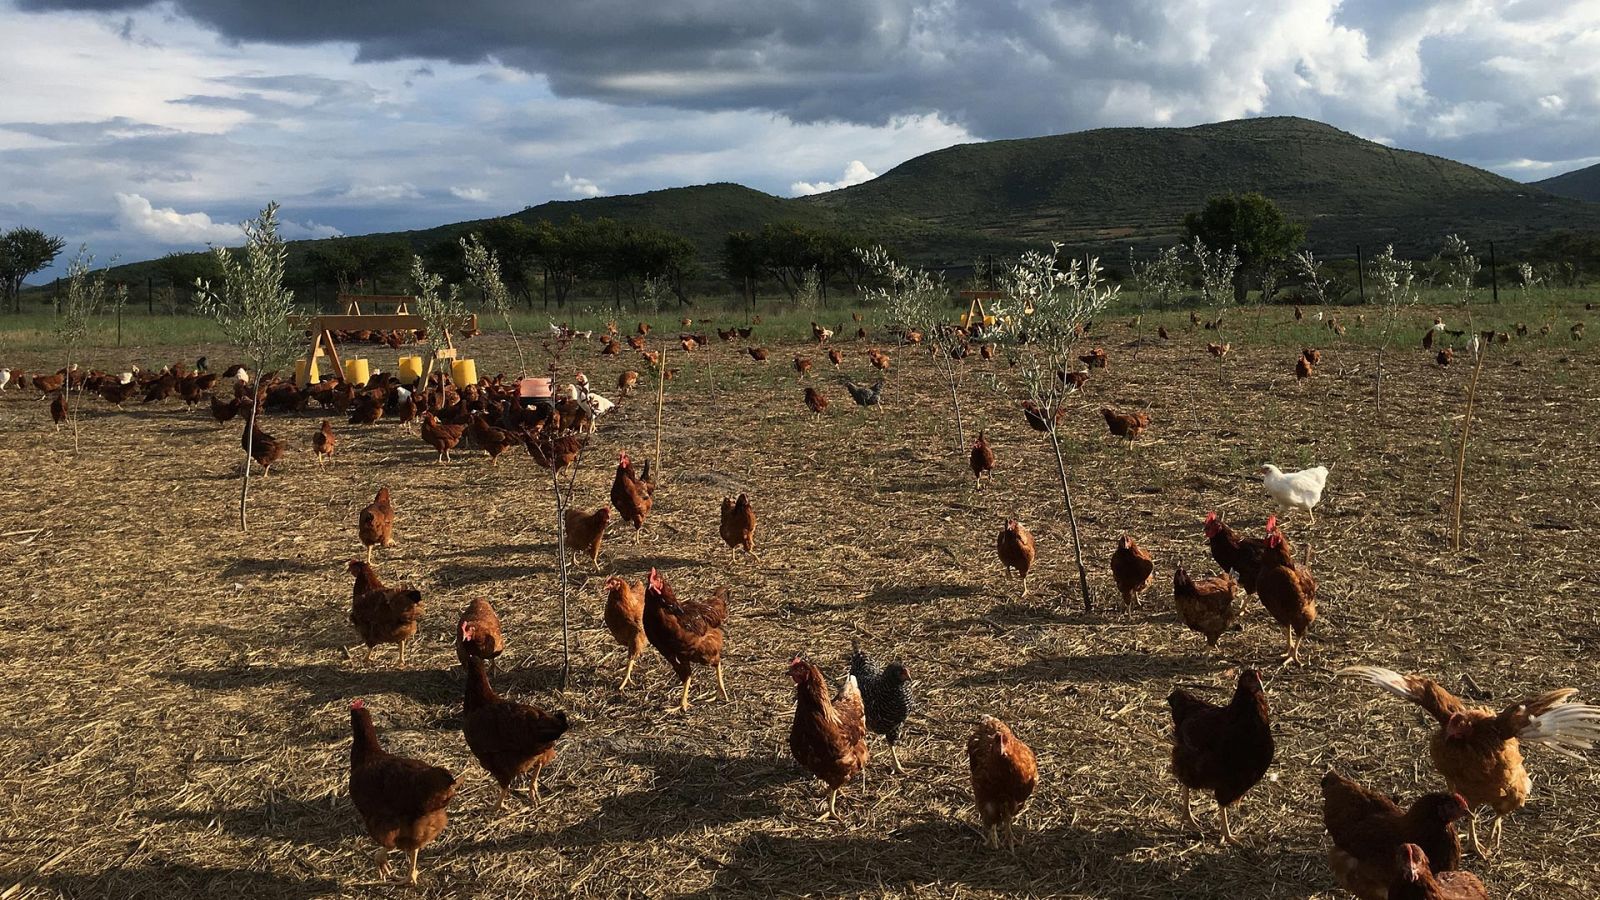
{"points": [[1295, 490], [5, 378], [596, 403]]}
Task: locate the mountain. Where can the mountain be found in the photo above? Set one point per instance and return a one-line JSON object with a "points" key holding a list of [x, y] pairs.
{"points": [[703, 213], [1580, 184], [1103, 190], [1114, 186]]}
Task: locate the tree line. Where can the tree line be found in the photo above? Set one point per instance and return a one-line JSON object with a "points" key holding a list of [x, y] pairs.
{"points": [[639, 264]]}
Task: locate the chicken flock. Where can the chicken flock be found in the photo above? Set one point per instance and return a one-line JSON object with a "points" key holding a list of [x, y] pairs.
{"points": [[1379, 847]]}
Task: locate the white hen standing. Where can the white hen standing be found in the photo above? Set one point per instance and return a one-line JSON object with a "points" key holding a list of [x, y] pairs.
{"points": [[1296, 490]]}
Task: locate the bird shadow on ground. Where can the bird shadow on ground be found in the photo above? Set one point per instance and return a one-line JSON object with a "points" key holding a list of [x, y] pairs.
{"points": [[643, 564], [914, 486], [252, 566], [692, 793], [1063, 859], [900, 595], [455, 574], [166, 878], [279, 815], [329, 682], [1122, 668], [496, 551]]}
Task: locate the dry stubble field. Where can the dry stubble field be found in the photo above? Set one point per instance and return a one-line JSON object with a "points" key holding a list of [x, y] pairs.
{"points": [[175, 718]]}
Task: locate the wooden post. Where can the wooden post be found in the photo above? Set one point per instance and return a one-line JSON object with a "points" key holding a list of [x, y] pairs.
{"points": [[1361, 274], [1494, 273], [333, 356], [150, 294]]}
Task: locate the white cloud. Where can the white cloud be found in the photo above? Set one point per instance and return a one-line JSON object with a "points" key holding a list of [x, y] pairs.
{"points": [[306, 231], [381, 193], [854, 173], [583, 187], [471, 194], [168, 226]]}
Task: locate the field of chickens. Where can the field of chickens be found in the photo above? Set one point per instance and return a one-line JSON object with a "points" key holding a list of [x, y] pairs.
{"points": [[178, 707]]}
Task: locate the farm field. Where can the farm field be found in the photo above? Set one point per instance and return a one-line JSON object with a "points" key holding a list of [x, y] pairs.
{"points": [[176, 721]]}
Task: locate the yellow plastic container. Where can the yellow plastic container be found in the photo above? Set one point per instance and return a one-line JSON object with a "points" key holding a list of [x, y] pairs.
{"points": [[300, 373], [357, 371], [964, 320], [464, 372], [988, 321], [410, 369]]}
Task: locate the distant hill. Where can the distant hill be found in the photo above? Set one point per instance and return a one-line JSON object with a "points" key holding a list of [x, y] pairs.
{"points": [[1107, 188], [1116, 186], [1102, 190], [1580, 184]]}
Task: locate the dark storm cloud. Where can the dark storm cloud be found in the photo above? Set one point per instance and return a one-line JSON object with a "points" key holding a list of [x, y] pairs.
{"points": [[1004, 68], [1007, 68]]}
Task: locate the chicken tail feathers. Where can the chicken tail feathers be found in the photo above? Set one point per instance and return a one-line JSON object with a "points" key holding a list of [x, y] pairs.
{"points": [[1565, 728], [1388, 679]]}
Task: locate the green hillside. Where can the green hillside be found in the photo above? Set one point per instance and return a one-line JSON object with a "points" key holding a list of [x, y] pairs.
{"points": [[1580, 184], [1105, 189], [1130, 185]]}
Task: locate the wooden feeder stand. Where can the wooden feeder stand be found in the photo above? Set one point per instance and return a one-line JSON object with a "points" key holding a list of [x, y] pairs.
{"points": [[322, 328], [975, 310]]}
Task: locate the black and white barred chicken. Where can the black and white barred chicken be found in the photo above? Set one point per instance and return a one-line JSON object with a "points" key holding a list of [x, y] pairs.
{"points": [[886, 696]]}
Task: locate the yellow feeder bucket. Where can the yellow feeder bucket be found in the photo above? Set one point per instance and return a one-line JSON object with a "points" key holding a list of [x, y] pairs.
{"points": [[300, 375], [988, 321], [410, 369], [357, 371], [464, 372]]}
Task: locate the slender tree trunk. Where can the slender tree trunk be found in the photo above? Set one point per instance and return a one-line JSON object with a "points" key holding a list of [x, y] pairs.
{"points": [[1377, 394], [522, 361], [249, 456], [955, 400], [561, 561], [1461, 451], [661, 393], [1072, 519]]}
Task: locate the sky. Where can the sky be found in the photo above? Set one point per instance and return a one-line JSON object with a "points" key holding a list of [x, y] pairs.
{"points": [[140, 129]]}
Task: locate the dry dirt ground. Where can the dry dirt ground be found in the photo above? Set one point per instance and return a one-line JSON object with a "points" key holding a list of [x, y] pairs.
{"points": [[175, 716]]}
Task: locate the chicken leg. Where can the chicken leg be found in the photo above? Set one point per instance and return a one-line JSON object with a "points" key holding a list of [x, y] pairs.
{"points": [[628, 674], [894, 756], [722, 688], [992, 837], [1188, 809], [1291, 652], [402, 645], [381, 857], [683, 705], [1227, 832], [832, 811], [414, 866], [533, 788]]}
